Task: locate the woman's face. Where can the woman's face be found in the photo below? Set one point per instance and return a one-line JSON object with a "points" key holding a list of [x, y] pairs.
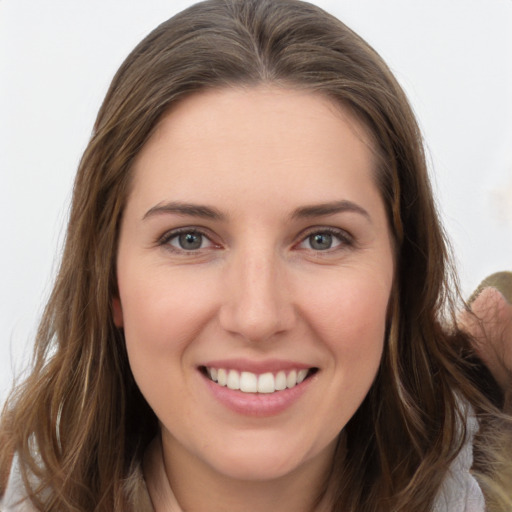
{"points": [[254, 253]]}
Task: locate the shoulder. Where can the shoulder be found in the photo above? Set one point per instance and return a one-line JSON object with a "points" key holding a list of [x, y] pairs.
{"points": [[15, 498], [460, 491]]}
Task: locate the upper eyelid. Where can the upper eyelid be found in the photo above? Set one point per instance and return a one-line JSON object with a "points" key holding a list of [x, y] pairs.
{"points": [[343, 233]]}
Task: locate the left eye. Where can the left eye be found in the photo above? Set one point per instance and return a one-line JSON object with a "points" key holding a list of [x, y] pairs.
{"points": [[323, 241], [189, 241]]}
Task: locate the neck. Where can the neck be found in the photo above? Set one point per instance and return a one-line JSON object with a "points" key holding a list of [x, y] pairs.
{"points": [[198, 487]]}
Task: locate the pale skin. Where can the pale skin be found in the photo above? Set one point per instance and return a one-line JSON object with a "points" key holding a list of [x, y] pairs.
{"points": [[252, 213], [248, 178]]}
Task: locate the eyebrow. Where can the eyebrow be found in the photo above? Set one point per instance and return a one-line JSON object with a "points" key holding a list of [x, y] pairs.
{"points": [[185, 209], [208, 212], [332, 208]]}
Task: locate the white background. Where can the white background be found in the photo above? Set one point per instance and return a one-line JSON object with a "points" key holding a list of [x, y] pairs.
{"points": [[453, 57]]}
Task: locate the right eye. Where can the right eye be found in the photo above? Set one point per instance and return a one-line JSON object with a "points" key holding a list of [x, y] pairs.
{"points": [[188, 240]]}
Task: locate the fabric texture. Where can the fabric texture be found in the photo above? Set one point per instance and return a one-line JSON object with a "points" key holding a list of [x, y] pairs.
{"points": [[460, 491]]}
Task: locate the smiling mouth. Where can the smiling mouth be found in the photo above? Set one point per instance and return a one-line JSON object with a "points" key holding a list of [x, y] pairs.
{"points": [[248, 382]]}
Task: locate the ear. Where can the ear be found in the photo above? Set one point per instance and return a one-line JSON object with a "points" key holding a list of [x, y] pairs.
{"points": [[117, 312]]}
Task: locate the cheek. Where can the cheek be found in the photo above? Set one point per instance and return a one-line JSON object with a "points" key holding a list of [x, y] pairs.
{"points": [[162, 315], [162, 312], [351, 313], [349, 320]]}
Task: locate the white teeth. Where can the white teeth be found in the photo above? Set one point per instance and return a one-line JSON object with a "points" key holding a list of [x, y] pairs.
{"points": [[280, 381], [301, 375], [249, 382], [222, 377], [233, 380], [266, 383], [291, 380]]}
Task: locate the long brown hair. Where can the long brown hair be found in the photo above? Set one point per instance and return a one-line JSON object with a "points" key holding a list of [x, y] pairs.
{"points": [[79, 425]]}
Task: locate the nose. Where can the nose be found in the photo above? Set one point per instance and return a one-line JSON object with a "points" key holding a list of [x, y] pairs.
{"points": [[257, 303]]}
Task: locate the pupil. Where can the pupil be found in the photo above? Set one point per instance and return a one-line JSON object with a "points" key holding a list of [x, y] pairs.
{"points": [[190, 241], [321, 241]]}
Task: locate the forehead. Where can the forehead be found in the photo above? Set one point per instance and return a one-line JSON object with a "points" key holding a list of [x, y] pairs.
{"points": [[248, 140]]}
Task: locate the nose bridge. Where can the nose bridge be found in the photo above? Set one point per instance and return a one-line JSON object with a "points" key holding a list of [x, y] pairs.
{"points": [[256, 304]]}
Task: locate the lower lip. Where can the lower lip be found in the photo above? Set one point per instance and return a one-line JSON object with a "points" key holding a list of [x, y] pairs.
{"points": [[257, 404]]}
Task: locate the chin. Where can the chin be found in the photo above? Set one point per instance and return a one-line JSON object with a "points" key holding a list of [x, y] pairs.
{"points": [[257, 467], [266, 459]]}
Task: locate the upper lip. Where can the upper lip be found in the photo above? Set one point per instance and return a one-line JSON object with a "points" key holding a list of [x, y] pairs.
{"points": [[258, 367]]}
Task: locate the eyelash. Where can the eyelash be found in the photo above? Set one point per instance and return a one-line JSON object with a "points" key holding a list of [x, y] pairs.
{"points": [[345, 240]]}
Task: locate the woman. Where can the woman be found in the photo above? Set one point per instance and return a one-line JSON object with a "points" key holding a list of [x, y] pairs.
{"points": [[248, 313]]}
